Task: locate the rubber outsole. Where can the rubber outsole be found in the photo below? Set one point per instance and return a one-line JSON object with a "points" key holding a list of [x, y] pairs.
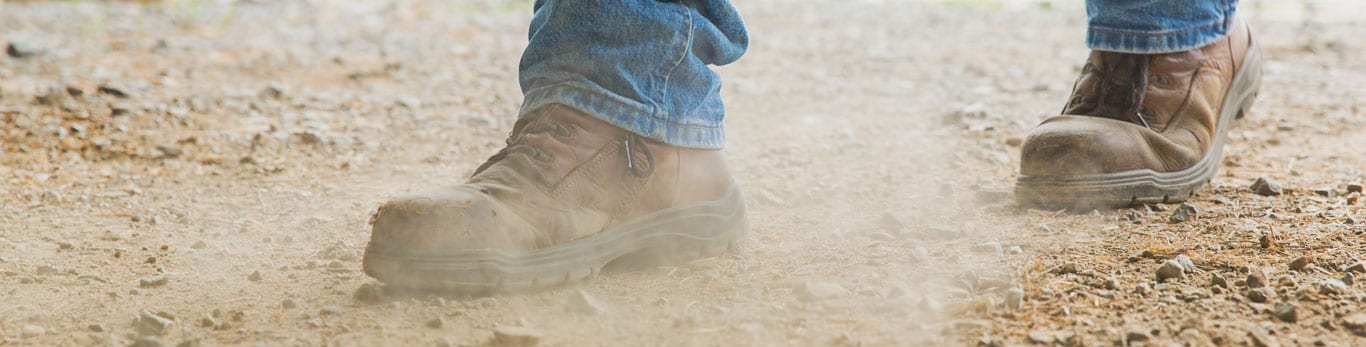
{"points": [[667, 236], [1137, 187]]}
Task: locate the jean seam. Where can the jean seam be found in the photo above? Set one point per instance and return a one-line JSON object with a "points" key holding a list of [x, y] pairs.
{"points": [[687, 49], [1163, 33]]}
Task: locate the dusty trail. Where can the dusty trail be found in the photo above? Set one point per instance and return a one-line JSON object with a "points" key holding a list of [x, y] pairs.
{"points": [[873, 151]]}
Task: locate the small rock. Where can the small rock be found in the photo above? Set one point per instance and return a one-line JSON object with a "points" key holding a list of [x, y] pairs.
{"points": [[150, 323], [1068, 268], [1299, 264], [1264, 186], [1142, 289], [1184, 212], [154, 281], [436, 323], [170, 150], [30, 330], [271, 92], [1015, 298], [369, 293], [208, 322], [1170, 269], [1137, 335], [1041, 337], [1354, 188], [288, 304], [920, 253], [1359, 267], [330, 310], [1355, 323], [22, 48], [96, 328], [113, 90], [1186, 264], [582, 302], [1332, 286], [1014, 250], [1285, 312], [1326, 192], [199, 245], [44, 270], [146, 341], [988, 247], [1349, 279], [255, 276], [815, 290], [1260, 295], [1256, 278], [515, 337], [1218, 281]]}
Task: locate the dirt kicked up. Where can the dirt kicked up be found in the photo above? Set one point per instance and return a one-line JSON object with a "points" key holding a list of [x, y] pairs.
{"points": [[201, 173]]}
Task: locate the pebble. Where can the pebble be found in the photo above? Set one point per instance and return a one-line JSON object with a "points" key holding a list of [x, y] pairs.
{"points": [[1184, 212], [1355, 323], [255, 276], [330, 310], [1014, 250], [1142, 289], [1186, 263], [1218, 281], [583, 302], [1332, 286], [1285, 312], [22, 48], [1299, 264], [288, 304], [1359, 267], [170, 150], [199, 245], [369, 293], [1137, 335], [816, 290], [1260, 295], [208, 322], [96, 328], [988, 247], [1264, 186], [146, 341], [515, 337], [1015, 298], [271, 92], [30, 330], [150, 323], [436, 323], [1256, 278], [113, 90], [1349, 279], [153, 281], [1170, 269], [1041, 337], [920, 253], [1354, 188]]}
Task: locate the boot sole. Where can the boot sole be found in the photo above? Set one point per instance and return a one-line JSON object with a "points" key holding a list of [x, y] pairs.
{"points": [[1136, 187], [668, 236]]}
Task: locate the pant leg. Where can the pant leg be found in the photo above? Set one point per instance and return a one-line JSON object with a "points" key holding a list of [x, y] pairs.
{"points": [[1156, 26], [641, 65]]}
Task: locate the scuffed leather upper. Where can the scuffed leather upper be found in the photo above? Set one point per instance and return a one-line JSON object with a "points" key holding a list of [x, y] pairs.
{"points": [[1132, 112], [564, 176]]}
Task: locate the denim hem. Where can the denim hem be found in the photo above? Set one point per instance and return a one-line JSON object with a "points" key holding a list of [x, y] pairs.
{"points": [[1155, 43], [623, 113]]}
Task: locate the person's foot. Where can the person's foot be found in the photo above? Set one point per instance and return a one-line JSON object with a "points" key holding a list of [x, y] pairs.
{"points": [[568, 195], [1141, 128]]}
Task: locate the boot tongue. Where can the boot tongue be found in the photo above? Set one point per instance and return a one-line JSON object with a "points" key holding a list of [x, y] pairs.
{"points": [[1126, 81]]}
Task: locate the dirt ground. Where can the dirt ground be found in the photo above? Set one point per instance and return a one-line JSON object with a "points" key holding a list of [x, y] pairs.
{"points": [[201, 173]]}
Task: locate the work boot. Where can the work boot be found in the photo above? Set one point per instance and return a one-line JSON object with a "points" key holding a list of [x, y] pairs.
{"points": [[1141, 128], [568, 195]]}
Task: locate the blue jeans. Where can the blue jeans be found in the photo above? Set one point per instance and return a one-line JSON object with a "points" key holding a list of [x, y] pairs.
{"points": [[643, 65], [1156, 26]]}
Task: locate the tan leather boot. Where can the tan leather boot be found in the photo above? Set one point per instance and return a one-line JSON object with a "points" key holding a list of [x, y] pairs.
{"points": [[569, 194], [1141, 128]]}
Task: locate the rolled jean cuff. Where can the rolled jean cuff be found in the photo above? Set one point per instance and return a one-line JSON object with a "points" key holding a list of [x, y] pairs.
{"points": [[1155, 43], [623, 113]]}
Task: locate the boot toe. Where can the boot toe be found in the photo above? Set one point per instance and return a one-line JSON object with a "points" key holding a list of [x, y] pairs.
{"points": [[445, 220], [1073, 146]]}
